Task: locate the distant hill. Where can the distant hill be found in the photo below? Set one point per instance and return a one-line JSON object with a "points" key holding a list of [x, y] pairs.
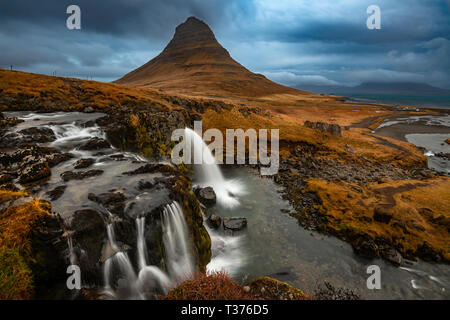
{"points": [[382, 87], [194, 62]]}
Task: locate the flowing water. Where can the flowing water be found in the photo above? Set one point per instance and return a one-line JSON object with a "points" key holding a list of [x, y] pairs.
{"points": [[435, 130], [122, 278], [273, 243]]}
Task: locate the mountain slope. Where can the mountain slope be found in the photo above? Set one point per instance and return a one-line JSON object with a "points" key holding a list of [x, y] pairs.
{"points": [[195, 63]]}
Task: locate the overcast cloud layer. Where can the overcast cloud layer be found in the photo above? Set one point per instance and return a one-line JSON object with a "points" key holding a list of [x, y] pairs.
{"points": [[295, 42]]}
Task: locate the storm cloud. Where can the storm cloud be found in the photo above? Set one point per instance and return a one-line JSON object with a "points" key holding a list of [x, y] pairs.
{"points": [[295, 42]]}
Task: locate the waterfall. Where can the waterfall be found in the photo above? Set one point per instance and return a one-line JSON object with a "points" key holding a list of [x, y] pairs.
{"points": [[175, 238], [142, 248], [178, 259], [119, 262], [209, 172]]}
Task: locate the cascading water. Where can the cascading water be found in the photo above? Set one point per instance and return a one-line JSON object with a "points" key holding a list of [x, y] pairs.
{"points": [[178, 259], [177, 254], [120, 262], [209, 173]]}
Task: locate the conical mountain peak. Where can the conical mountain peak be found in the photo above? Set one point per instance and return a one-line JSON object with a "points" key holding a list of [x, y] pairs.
{"points": [[194, 62]]}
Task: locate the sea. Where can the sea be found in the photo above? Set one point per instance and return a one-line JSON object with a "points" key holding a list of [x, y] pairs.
{"points": [[413, 100]]}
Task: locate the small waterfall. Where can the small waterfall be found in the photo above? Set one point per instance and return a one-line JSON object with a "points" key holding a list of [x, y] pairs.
{"points": [[178, 259], [142, 248], [69, 136], [175, 238], [121, 263], [209, 172], [72, 255]]}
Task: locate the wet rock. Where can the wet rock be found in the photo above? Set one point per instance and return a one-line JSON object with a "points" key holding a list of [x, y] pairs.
{"points": [[215, 221], [39, 135], [112, 201], [393, 256], [381, 216], [152, 168], [35, 172], [206, 196], [56, 158], [95, 144], [89, 231], [88, 110], [69, 175], [84, 163], [4, 178], [443, 155], [325, 127], [427, 253], [56, 193], [365, 247], [234, 224]]}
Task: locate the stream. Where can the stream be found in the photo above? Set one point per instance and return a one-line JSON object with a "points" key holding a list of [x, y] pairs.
{"points": [[273, 244]]}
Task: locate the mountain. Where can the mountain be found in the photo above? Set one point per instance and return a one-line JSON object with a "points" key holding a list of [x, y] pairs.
{"points": [[194, 62], [382, 87]]}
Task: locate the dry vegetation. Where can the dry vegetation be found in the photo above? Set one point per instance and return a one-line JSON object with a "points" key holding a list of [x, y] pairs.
{"points": [[16, 228], [220, 286], [414, 217]]}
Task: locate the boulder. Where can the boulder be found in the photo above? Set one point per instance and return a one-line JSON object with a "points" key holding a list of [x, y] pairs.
{"points": [[393, 256], [88, 233], [234, 224], [88, 110], [35, 172], [95, 144], [215, 221], [84, 163], [113, 201], [69, 175], [365, 247], [206, 196], [56, 193], [39, 135]]}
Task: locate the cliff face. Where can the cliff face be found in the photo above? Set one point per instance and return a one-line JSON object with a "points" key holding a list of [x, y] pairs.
{"points": [[195, 62]]}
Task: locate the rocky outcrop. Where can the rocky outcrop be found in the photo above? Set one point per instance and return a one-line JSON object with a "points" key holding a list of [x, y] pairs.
{"points": [[34, 172], [147, 133], [88, 232], [325, 127]]}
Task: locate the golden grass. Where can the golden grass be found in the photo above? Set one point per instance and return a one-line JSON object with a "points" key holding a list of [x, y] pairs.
{"points": [[408, 201], [16, 228]]}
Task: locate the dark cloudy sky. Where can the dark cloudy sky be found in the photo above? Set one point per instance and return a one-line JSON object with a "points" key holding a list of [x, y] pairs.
{"points": [[294, 42]]}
